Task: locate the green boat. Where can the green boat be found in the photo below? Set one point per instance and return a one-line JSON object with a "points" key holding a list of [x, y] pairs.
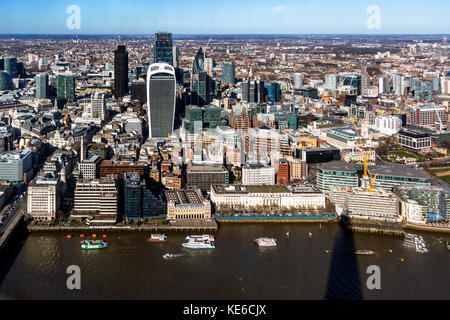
{"points": [[93, 244]]}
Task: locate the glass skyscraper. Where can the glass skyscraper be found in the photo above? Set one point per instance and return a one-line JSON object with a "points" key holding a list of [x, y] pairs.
{"points": [[133, 195], [228, 73], [42, 88], [10, 65], [353, 80], [201, 82], [6, 82], [161, 99], [163, 50], [120, 71], [66, 86], [273, 91]]}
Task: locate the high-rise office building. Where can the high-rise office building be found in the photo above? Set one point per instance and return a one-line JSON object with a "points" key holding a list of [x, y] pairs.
{"points": [[120, 71], [6, 82], [399, 84], [201, 83], [253, 91], [383, 85], [133, 195], [228, 73], [273, 91], [163, 50], [10, 65], [298, 80], [42, 88], [66, 86], [331, 81], [354, 80], [161, 99], [98, 106]]}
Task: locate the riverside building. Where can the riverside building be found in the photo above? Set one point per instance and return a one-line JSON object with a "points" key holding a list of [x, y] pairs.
{"points": [[96, 200], [250, 198], [187, 204]]}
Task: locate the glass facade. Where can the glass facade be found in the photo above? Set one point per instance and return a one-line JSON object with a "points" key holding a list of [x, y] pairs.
{"points": [[66, 87], [163, 49], [42, 86], [228, 73], [6, 82], [161, 99]]}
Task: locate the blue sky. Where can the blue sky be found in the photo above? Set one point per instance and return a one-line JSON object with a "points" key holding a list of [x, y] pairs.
{"points": [[225, 16]]}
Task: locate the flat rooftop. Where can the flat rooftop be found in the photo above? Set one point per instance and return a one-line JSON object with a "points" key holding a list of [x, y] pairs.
{"points": [[338, 166]]}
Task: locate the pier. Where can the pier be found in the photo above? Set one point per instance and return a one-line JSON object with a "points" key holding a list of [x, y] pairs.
{"points": [[190, 226], [276, 218], [372, 227]]}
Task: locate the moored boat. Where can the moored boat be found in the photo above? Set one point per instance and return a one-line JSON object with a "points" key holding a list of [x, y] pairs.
{"points": [[199, 244], [93, 244], [156, 237], [203, 237], [364, 252], [266, 242]]}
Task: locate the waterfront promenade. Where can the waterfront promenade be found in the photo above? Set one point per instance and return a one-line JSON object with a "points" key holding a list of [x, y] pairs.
{"points": [[190, 226]]}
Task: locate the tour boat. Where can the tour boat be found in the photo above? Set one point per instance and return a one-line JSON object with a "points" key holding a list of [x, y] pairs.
{"points": [[199, 244], [366, 252], [206, 237], [266, 242], [94, 244], [156, 237]]}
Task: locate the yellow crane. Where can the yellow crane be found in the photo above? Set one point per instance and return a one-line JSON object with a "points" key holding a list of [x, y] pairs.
{"points": [[366, 168]]}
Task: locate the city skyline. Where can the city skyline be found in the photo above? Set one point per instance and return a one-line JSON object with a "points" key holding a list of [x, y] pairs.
{"points": [[249, 17]]}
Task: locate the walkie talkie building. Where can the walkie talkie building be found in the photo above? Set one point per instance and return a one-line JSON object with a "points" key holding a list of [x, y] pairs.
{"points": [[161, 99]]}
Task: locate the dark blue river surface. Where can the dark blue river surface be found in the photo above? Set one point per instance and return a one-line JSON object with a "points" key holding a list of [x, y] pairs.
{"points": [[298, 268]]}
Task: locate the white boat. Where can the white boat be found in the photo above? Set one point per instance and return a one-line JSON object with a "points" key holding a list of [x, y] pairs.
{"points": [[168, 256], [199, 244], [266, 242], [203, 237], [156, 237]]}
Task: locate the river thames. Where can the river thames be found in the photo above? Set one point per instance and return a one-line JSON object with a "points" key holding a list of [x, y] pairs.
{"points": [[298, 268]]}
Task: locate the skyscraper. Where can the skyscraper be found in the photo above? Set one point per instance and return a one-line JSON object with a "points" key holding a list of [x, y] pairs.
{"points": [[331, 81], [42, 88], [161, 99], [163, 50], [66, 86], [272, 90], [298, 80], [253, 91], [10, 65], [353, 80], [201, 82], [120, 71], [228, 75]]}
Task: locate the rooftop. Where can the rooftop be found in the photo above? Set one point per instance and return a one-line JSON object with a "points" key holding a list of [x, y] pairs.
{"points": [[337, 166]]}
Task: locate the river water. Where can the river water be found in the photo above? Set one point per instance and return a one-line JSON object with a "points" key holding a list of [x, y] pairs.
{"points": [[298, 268]]}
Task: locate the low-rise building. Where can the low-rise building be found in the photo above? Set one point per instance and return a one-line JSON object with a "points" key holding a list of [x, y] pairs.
{"points": [[336, 173], [187, 204], [96, 200], [414, 139], [258, 174], [43, 199], [265, 198]]}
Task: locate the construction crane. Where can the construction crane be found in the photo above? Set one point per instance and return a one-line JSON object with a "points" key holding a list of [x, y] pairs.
{"points": [[367, 173]]}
